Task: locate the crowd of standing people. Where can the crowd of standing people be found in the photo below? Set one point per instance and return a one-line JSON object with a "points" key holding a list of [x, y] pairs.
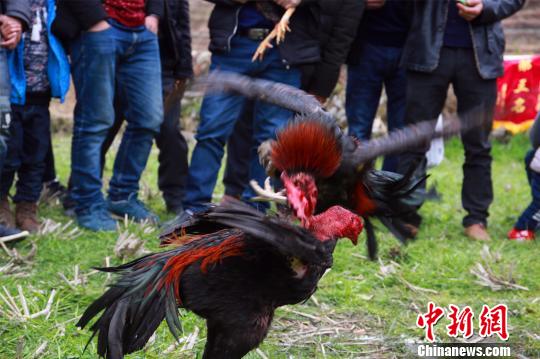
{"points": [[130, 60]]}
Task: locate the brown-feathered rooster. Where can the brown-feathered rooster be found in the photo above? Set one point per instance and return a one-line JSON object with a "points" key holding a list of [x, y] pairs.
{"points": [[321, 167], [232, 266]]}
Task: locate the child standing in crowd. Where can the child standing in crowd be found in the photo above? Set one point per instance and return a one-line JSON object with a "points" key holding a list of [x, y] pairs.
{"points": [[530, 218], [39, 69], [14, 18]]}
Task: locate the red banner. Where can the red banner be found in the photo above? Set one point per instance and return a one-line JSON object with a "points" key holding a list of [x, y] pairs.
{"points": [[518, 99]]}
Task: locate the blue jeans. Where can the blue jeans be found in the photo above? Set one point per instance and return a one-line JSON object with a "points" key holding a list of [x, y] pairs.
{"points": [[378, 66], [173, 148], [100, 61], [530, 218], [28, 146], [219, 113], [5, 108]]}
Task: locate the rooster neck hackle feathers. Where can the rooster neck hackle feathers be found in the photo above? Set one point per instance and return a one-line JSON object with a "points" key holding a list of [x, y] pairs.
{"points": [[307, 146]]}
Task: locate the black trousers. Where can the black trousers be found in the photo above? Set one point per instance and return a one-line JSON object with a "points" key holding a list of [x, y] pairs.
{"points": [[426, 96], [173, 148], [28, 145]]}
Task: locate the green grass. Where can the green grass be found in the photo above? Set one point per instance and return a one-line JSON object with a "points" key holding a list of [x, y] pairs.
{"points": [[365, 306]]}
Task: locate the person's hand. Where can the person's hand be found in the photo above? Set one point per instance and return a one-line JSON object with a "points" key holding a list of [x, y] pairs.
{"points": [[322, 100], [152, 23], [287, 4], [470, 9], [100, 26], [374, 4], [11, 29]]}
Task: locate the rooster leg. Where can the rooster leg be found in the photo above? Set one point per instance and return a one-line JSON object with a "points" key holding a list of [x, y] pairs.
{"points": [[279, 32], [283, 25], [267, 194], [265, 45]]}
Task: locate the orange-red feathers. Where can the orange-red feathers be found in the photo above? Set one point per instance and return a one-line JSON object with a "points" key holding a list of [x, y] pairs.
{"points": [[364, 205], [307, 146], [208, 255]]}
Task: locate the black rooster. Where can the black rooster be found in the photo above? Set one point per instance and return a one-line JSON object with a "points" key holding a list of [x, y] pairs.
{"points": [[232, 266], [321, 167]]}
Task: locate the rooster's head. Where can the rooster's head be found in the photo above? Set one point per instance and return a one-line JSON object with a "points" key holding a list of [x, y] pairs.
{"points": [[334, 223]]}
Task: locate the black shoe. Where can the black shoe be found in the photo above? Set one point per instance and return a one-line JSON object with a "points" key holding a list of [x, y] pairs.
{"points": [[11, 234], [69, 206], [175, 208], [53, 189]]}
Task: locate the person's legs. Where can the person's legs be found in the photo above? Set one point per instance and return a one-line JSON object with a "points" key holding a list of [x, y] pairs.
{"points": [[173, 148], [364, 87], [5, 106], [530, 218], [395, 84], [93, 58], [35, 145], [14, 154], [236, 177], [473, 92], [219, 113], [12, 163], [269, 118], [6, 234], [426, 95], [139, 75]]}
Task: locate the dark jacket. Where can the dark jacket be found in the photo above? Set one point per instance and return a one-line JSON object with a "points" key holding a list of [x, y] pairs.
{"points": [[301, 46], [17, 8], [387, 27], [338, 21], [426, 35], [74, 16], [175, 39]]}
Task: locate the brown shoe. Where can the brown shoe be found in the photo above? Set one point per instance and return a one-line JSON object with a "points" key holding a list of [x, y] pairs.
{"points": [[26, 216], [477, 232], [6, 215]]}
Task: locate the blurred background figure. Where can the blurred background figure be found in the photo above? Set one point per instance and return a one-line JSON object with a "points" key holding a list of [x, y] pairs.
{"points": [[39, 70], [176, 68], [463, 45], [14, 19], [374, 62], [236, 30]]}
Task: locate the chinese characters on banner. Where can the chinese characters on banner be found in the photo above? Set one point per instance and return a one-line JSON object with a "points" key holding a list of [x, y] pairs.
{"points": [[491, 321], [518, 99]]}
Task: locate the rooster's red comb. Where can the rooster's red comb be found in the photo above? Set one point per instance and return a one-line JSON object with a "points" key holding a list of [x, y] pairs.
{"points": [[307, 146]]}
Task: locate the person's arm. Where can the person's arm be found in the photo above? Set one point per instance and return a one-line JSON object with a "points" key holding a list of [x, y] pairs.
{"points": [[19, 9], [184, 69], [497, 10], [334, 54], [88, 13]]}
